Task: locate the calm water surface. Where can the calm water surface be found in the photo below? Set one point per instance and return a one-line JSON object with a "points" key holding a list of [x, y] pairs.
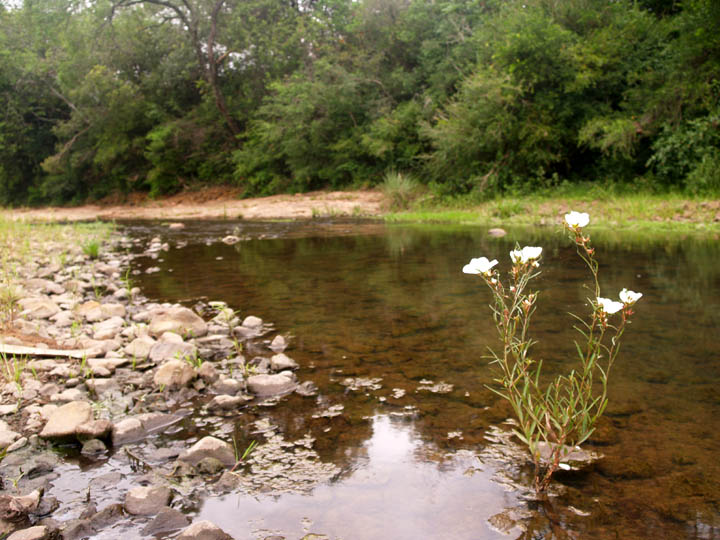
{"points": [[394, 335]]}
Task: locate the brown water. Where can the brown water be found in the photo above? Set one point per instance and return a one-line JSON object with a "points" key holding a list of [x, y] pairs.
{"points": [[388, 306]]}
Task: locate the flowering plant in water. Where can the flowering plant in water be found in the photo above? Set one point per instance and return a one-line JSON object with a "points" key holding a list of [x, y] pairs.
{"points": [[552, 420]]}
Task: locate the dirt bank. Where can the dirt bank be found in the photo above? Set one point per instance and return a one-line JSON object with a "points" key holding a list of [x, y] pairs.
{"points": [[217, 203]]}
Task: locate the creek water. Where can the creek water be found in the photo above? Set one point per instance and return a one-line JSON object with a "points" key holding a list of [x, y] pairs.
{"points": [[395, 337]]}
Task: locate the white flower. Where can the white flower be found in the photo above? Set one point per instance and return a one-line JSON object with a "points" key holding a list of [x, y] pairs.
{"points": [[609, 306], [577, 220], [526, 254], [480, 265], [629, 297]]}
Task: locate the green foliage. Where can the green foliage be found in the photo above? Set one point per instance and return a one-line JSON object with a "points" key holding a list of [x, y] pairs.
{"points": [[481, 97]]}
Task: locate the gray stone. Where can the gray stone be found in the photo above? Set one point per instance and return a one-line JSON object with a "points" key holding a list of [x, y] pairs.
{"points": [[93, 447], [107, 516], [280, 362], [226, 403], [168, 350], [269, 385], [166, 521], [102, 386], [156, 421], [147, 500], [227, 386], [38, 308], [140, 348], [207, 372], [278, 344], [180, 320], [38, 532], [252, 322], [127, 430], [209, 447], [108, 328], [497, 232], [71, 394], [209, 465], [63, 422], [95, 429], [174, 374], [44, 286], [17, 445], [204, 530], [14, 508], [7, 436]]}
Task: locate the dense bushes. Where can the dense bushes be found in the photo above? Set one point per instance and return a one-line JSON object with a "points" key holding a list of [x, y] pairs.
{"points": [[468, 96]]}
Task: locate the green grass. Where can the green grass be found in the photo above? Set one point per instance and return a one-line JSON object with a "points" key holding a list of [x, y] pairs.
{"points": [[618, 211]]}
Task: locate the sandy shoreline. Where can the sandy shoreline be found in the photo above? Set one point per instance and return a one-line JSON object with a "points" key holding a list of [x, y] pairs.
{"points": [[217, 204]]}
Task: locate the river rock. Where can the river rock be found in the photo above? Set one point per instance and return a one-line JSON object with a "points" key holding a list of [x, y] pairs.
{"points": [[14, 508], [227, 386], [208, 373], [37, 308], [140, 347], [268, 385], [281, 362], [44, 286], [174, 374], [226, 403], [169, 350], [94, 429], [209, 447], [278, 344], [93, 447], [63, 422], [7, 436], [147, 500], [127, 430], [63, 319], [156, 421], [204, 530], [497, 232], [38, 532], [166, 521], [180, 320], [108, 328]]}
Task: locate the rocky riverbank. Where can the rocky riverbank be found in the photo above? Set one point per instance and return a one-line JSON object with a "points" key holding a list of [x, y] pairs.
{"points": [[142, 393]]}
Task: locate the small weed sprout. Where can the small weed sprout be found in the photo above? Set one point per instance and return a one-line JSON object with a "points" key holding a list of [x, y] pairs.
{"points": [[553, 419], [12, 369], [9, 302], [240, 458], [91, 248]]}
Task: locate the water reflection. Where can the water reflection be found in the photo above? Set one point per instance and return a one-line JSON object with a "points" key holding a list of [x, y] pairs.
{"points": [[391, 303], [398, 490]]}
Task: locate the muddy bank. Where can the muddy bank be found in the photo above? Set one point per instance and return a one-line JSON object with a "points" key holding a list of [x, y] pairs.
{"points": [[218, 203], [116, 413]]}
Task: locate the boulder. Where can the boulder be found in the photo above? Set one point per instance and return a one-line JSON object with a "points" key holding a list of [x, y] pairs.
{"points": [[269, 385], [146, 500], [180, 320], [209, 447], [174, 374], [63, 422], [203, 530]]}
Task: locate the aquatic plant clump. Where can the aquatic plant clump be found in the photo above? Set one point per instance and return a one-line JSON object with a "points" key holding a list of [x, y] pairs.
{"points": [[552, 420]]}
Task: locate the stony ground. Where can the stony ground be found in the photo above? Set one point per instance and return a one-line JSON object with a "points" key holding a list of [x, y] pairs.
{"points": [[90, 366]]}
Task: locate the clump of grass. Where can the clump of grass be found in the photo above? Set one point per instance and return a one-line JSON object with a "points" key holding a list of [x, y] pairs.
{"points": [[9, 299], [91, 248], [400, 189]]}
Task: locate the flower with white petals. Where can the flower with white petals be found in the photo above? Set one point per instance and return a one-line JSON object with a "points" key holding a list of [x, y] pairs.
{"points": [[480, 265], [609, 306], [577, 220], [525, 255], [629, 297]]}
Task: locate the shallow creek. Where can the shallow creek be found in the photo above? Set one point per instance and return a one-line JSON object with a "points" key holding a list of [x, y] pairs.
{"points": [[403, 439]]}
